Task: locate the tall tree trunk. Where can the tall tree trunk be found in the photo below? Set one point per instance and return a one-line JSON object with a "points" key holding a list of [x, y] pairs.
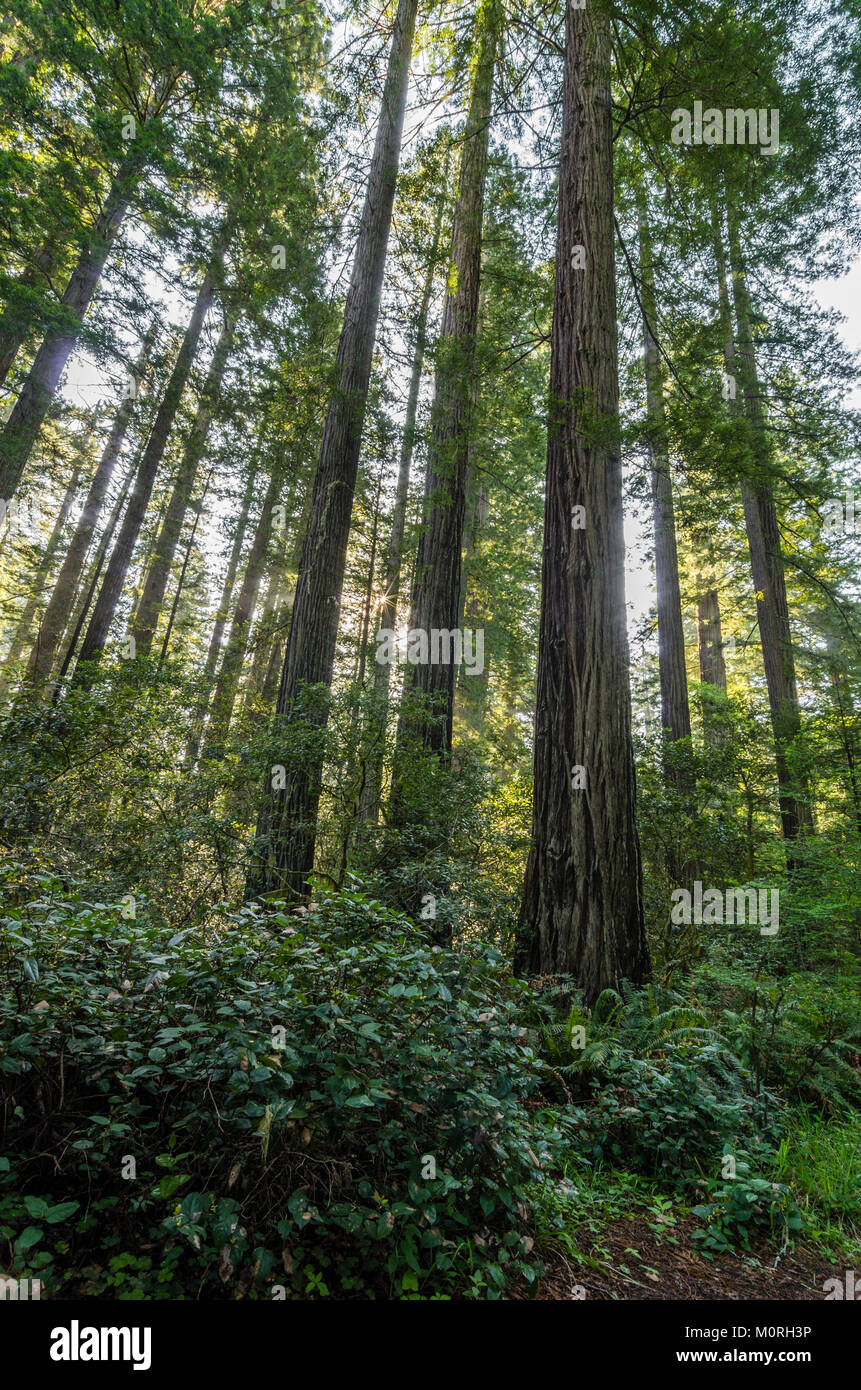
{"points": [[85, 599], [24, 629], [222, 613], [180, 583], [370, 799], [287, 821], [710, 647], [582, 909], [436, 590], [56, 615], [841, 696], [763, 538], [224, 695], [112, 586], [155, 583], [675, 710], [38, 391]]}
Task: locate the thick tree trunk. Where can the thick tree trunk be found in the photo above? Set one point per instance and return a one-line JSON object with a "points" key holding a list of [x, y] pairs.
{"points": [[675, 710], [158, 573], [287, 822], [763, 537], [38, 391], [24, 630], [56, 616], [436, 589], [112, 586], [582, 909]]}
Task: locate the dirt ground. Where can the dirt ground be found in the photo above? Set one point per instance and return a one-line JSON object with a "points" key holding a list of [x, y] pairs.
{"points": [[631, 1261]]}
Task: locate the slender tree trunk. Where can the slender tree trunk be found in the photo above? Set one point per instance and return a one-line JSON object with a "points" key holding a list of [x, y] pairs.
{"points": [[180, 583], [222, 613], [224, 695], [675, 710], [112, 586], [841, 697], [369, 809], [286, 825], [56, 615], [158, 573], [38, 391], [24, 629], [436, 590], [763, 537], [582, 909], [710, 646], [86, 598]]}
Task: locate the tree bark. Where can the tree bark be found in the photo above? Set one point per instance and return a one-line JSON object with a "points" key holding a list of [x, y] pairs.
{"points": [[672, 667], [56, 615], [582, 910], [112, 586], [436, 588], [222, 613], [24, 628], [38, 391], [224, 695], [763, 537], [286, 826], [369, 808], [158, 573]]}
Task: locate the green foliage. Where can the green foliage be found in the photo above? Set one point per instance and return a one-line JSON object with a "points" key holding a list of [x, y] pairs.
{"points": [[305, 1163]]}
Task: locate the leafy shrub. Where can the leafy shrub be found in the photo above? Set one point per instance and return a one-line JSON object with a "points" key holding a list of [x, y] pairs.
{"points": [[666, 1091], [739, 1206], [282, 1084]]}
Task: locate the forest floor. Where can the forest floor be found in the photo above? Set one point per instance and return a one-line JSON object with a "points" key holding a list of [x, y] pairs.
{"points": [[629, 1260]]}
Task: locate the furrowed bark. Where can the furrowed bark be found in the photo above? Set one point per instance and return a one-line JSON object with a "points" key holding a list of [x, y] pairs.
{"points": [[286, 827], [582, 910]]}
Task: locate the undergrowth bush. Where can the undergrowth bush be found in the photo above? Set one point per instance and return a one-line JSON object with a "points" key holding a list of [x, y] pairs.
{"points": [[319, 1101]]}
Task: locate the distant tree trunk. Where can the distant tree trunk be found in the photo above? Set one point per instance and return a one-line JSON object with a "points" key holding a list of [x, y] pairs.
{"points": [[85, 599], [582, 910], [436, 589], [675, 710], [369, 809], [112, 586], [16, 322], [224, 695], [56, 615], [24, 630], [38, 391], [222, 612], [158, 573], [763, 537], [710, 638], [286, 827], [844, 707], [180, 583]]}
